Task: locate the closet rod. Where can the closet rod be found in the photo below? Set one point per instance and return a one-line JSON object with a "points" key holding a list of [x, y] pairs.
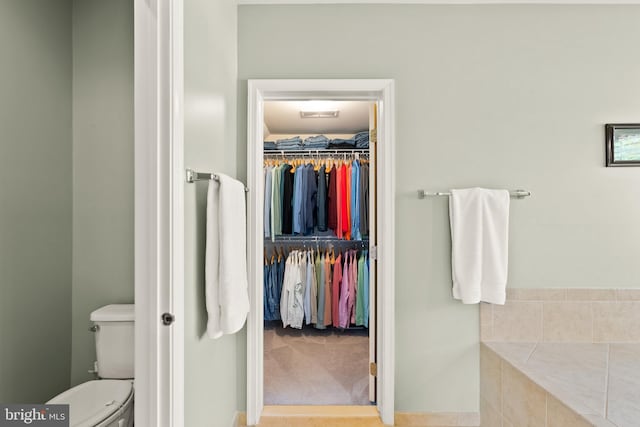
{"points": [[298, 153], [517, 194], [193, 176], [328, 239]]}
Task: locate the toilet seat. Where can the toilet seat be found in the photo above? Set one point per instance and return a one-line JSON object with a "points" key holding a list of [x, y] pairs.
{"points": [[96, 401]]}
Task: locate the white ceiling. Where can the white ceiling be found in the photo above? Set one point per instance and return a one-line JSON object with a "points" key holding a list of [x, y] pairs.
{"points": [[283, 117]]}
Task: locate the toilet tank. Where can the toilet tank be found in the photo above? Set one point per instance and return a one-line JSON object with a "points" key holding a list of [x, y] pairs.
{"points": [[114, 329]]}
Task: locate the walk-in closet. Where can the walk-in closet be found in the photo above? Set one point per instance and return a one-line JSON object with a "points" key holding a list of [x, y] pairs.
{"points": [[319, 227]]}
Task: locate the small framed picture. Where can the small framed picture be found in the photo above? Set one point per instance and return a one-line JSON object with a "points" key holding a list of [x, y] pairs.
{"points": [[623, 144]]}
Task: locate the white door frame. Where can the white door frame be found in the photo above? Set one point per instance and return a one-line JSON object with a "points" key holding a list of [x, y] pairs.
{"points": [[159, 213], [380, 90]]}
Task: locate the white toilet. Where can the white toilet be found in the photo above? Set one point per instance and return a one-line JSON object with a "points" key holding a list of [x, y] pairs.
{"points": [[107, 402]]}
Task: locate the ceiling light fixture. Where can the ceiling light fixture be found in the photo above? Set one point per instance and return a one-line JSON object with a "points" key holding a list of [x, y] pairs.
{"points": [[319, 114]]}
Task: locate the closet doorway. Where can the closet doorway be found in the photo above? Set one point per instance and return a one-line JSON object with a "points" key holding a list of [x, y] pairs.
{"points": [[320, 242]]}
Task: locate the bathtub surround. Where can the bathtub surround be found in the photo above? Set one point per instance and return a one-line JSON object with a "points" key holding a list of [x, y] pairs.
{"points": [[572, 360], [564, 315]]}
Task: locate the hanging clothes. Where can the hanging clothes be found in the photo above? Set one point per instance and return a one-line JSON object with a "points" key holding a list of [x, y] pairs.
{"points": [[327, 290], [287, 196], [316, 202], [304, 288]]}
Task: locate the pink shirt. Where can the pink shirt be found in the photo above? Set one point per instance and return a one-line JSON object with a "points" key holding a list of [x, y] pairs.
{"points": [[344, 293]]}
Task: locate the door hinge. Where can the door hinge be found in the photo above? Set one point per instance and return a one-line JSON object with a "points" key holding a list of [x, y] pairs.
{"points": [[373, 369], [373, 136], [373, 252], [168, 319]]}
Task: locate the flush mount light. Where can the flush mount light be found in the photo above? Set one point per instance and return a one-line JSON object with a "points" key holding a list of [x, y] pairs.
{"points": [[319, 114], [318, 109]]}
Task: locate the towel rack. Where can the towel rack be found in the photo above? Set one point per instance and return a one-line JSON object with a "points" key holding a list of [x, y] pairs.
{"points": [[193, 176], [517, 194]]}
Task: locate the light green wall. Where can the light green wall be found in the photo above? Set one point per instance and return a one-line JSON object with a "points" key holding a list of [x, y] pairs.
{"points": [[35, 199], [102, 167], [214, 368], [494, 96]]}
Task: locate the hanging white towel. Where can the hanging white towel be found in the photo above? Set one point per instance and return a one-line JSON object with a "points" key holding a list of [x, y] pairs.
{"points": [[479, 244], [226, 282]]}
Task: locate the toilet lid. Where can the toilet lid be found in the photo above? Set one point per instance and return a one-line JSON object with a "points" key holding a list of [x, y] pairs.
{"points": [[94, 401]]}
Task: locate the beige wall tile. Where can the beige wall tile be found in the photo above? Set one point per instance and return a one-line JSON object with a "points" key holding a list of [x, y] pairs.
{"points": [[559, 415], [523, 403], [468, 419], [489, 416], [519, 321], [567, 322], [628, 294], [517, 294], [491, 377], [486, 321], [616, 321], [591, 294]]}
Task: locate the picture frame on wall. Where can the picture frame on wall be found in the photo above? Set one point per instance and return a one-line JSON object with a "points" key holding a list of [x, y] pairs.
{"points": [[622, 144]]}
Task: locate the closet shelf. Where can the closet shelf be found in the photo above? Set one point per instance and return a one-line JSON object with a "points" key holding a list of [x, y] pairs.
{"points": [[315, 239], [315, 153]]}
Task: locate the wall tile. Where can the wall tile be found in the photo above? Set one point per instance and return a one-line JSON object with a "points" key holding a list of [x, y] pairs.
{"points": [[519, 294], [567, 321], [491, 377], [559, 415], [468, 419], [598, 421], [517, 321], [591, 294], [573, 372], [628, 294], [616, 321], [524, 403], [489, 416], [623, 407]]}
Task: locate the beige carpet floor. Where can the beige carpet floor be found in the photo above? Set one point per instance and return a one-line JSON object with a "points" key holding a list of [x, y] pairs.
{"points": [[316, 367]]}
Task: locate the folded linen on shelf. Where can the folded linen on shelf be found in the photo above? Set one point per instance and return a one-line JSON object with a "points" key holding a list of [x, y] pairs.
{"points": [[362, 139], [294, 143], [342, 143], [318, 142]]}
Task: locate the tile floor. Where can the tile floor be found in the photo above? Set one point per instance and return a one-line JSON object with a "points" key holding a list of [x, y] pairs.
{"points": [[315, 367]]}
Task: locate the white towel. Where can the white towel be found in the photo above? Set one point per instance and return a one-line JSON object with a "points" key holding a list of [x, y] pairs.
{"points": [[226, 280], [479, 244]]}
